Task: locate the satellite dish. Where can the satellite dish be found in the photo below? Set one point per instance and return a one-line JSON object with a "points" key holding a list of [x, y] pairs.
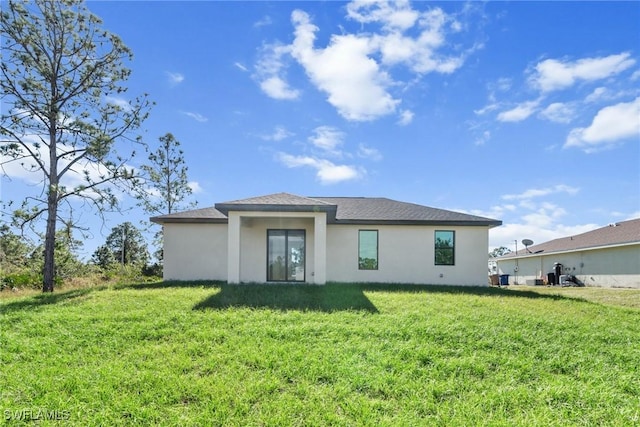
{"points": [[527, 243]]}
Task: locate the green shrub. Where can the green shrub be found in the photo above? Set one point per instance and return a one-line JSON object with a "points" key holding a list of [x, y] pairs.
{"points": [[23, 279]]}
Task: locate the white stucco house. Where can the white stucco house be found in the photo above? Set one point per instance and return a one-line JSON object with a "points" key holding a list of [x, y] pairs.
{"points": [[288, 238], [607, 257]]}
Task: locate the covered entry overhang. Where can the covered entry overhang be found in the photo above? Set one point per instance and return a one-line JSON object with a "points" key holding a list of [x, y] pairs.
{"points": [[252, 225]]}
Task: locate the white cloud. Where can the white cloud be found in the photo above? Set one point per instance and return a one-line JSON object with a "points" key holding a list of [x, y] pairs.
{"points": [[369, 153], [196, 116], [120, 102], [195, 187], [597, 94], [519, 113], [539, 228], [270, 73], [328, 139], [326, 171], [406, 117], [354, 82], [558, 112], [611, 125], [396, 15], [533, 217], [353, 70], [539, 192], [27, 169], [635, 76], [174, 78], [277, 88], [554, 74]]}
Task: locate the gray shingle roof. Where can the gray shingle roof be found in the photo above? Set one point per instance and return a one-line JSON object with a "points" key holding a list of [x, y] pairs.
{"points": [[378, 209], [620, 233], [344, 210]]}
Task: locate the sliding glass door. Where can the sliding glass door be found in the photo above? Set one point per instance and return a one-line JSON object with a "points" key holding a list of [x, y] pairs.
{"points": [[285, 255]]}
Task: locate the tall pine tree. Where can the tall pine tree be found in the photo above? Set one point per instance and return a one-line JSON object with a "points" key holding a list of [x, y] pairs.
{"points": [[64, 112]]}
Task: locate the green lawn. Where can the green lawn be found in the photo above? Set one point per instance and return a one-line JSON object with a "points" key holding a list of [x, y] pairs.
{"points": [[210, 354]]}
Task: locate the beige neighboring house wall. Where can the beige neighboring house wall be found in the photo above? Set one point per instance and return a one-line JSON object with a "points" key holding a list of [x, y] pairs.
{"points": [[229, 242], [605, 267], [605, 257]]}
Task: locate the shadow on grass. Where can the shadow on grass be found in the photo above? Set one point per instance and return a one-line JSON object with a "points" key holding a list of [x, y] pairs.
{"points": [[171, 284], [491, 291], [328, 298], [337, 296], [47, 299]]}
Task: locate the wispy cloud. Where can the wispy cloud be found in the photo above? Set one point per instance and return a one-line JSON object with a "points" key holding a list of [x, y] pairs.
{"points": [[406, 117], [278, 134], [369, 153], [520, 112], [556, 74], [540, 192], [196, 116], [174, 78], [264, 21], [558, 112], [240, 66], [327, 139], [535, 213], [611, 125], [483, 138], [327, 172], [271, 73]]}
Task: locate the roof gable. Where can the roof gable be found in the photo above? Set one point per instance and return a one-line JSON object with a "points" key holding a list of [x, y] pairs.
{"points": [[279, 202]]}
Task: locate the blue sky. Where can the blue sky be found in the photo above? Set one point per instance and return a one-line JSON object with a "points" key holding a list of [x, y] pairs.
{"points": [[527, 112]]}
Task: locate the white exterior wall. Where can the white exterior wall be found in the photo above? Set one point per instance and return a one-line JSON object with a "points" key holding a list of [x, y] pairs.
{"points": [[605, 267], [406, 254], [195, 252]]}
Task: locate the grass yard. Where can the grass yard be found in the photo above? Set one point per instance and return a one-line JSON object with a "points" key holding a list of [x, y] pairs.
{"points": [[253, 355]]}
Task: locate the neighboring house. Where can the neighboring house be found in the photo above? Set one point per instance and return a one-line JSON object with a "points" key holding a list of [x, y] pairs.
{"points": [[606, 257], [287, 238]]}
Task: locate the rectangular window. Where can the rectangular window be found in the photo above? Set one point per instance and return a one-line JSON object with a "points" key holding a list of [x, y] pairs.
{"points": [[368, 250], [445, 247], [285, 255]]}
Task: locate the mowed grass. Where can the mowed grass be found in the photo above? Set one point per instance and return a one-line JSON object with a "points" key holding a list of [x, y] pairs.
{"points": [[252, 355]]}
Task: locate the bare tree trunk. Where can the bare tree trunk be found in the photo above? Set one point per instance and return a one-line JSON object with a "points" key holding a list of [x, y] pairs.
{"points": [[49, 269]]}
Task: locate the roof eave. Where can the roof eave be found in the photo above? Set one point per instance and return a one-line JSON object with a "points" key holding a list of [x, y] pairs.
{"points": [[489, 224], [160, 220]]}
